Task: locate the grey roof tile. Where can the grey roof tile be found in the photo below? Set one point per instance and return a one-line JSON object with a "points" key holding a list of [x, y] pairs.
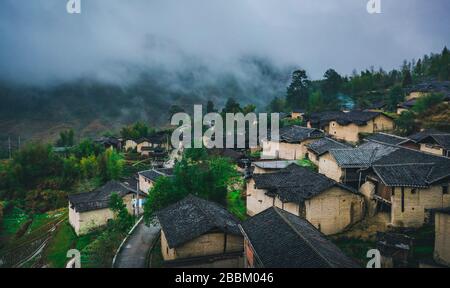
{"points": [[283, 240], [193, 217]]}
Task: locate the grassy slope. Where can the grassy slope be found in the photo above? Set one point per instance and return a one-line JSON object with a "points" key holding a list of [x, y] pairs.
{"points": [[55, 254]]}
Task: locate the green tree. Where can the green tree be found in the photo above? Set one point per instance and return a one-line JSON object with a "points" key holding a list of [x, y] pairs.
{"points": [[315, 102], [395, 97], [276, 105], [231, 106], [136, 131], [123, 219], [89, 166], [406, 123], [110, 164], [426, 102], [207, 178], [210, 107], [297, 92], [66, 139]]}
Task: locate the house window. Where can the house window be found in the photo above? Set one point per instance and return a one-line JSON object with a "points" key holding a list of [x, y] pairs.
{"points": [[413, 191], [444, 189]]}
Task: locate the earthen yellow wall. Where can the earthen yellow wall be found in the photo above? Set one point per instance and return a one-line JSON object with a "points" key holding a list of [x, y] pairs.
{"points": [[350, 132], [143, 144], [145, 184], [333, 211], [207, 244], [329, 167], [432, 149], [286, 151], [442, 239], [415, 205], [84, 222], [130, 145], [415, 95], [257, 201]]}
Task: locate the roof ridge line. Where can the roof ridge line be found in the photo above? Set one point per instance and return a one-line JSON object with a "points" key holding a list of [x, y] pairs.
{"points": [[301, 236]]}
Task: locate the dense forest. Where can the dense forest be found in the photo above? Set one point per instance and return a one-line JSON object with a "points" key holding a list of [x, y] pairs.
{"points": [[361, 90]]}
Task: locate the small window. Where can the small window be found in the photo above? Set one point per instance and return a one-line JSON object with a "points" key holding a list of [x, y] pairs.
{"points": [[413, 191], [444, 189]]}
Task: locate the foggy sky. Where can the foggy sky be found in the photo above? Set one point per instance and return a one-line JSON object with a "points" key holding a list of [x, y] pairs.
{"points": [[112, 39]]}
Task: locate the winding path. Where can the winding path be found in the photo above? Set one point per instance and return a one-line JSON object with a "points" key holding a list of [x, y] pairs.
{"points": [[135, 249]]}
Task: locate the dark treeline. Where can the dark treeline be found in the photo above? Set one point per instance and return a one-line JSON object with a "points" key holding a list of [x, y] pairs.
{"points": [[362, 89]]}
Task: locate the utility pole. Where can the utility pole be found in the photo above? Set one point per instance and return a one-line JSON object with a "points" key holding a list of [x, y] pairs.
{"points": [[137, 198]]}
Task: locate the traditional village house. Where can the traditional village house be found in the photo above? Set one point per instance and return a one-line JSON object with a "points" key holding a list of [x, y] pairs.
{"points": [[148, 178], [321, 120], [278, 239], [432, 141], [130, 144], [328, 205], [352, 124], [199, 233], [406, 184], [406, 106], [348, 126], [298, 114], [90, 210], [344, 165], [424, 89], [322, 146], [442, 236], [427, 88], [291, 144], [110, 142], [141, 144]]}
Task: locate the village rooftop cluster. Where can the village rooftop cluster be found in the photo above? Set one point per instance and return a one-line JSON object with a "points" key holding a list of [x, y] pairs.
{"points": [[365, 177]]}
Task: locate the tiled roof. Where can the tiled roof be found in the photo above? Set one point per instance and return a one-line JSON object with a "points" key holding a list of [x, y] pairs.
{"points": [[407, 104], [386, 138], [417, 137], [324, 145], [226, 153], [277, 164], [442, 140], [296, 134], [441, 165], [155, 173], [361, 157], [344, 118], [283, 240], [99, 198], [404, 175], [193, 217], [295, 184]]}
